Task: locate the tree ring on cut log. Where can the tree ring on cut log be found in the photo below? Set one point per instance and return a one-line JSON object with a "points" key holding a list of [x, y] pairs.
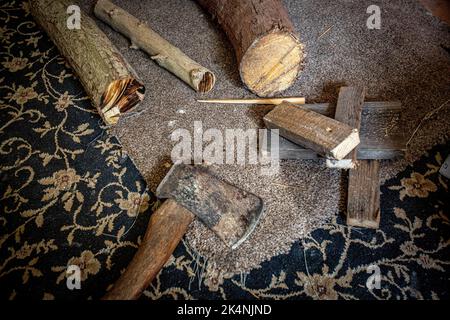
{"points": [[267, 75], [203, 80], [120, 96]]}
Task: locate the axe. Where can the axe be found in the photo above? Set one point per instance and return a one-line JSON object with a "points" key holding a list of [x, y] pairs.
{"points": [[230, 212]]}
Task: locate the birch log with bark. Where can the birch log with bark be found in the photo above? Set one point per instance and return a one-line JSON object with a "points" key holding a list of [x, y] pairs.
{"points": [[160, 50], [268, 51], [108, 79]]}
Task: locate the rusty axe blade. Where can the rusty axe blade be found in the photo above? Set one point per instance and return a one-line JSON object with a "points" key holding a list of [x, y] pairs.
{"points": [[230, 212]]}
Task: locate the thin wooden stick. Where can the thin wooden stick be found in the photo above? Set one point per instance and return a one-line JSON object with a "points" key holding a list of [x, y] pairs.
{"points": [[296, 100]]}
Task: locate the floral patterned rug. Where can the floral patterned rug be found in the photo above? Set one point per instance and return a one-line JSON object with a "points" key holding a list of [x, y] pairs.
{"points": [[70, 196]]}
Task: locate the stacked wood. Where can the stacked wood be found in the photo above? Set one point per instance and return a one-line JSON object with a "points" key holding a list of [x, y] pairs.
{"points": [[307, 126], [160, 50], [108, 79], [377, 140], [268, 51], [363, 201]]}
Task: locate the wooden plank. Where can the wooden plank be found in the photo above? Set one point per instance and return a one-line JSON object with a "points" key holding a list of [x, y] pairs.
{"points": [[348, 110], [324, 135], [377, 141], [363, 204]]}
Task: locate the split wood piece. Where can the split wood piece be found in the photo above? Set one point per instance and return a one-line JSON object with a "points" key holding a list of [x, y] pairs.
{"points": [[268, 51], [348, 110], [363, 204], [160, 50], [275, 101], [377, 142], [324, 135], [108, 79]]}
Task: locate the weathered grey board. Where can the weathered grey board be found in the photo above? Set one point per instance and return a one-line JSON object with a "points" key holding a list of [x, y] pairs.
{"points": [[348, 111], [377, 120], [324, 135], [363, 203]]}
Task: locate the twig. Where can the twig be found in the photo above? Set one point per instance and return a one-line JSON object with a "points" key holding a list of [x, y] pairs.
{"points": [[426, 117], [325, 32], [132, 114]]}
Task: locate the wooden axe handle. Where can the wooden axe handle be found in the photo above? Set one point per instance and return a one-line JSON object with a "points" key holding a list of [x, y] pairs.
{"points": [[165, 229]]}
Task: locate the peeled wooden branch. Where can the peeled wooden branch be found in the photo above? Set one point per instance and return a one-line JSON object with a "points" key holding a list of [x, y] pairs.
{"points": [[161, 51], [267, 50], [108, 79]]}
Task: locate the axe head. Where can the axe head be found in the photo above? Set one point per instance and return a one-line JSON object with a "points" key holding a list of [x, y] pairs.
{"points": [[230, 212]]}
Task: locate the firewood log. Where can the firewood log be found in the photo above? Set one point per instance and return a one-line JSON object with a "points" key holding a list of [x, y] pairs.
{"points": [[160, 50], [108, 79], [268, 51]]}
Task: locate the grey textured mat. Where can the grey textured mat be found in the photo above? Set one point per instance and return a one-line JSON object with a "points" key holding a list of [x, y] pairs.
{"points": [[404, 60]]}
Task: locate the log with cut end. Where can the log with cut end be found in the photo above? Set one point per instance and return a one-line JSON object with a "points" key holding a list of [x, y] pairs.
{"points": [[268, 51], [108, 79], [328, 137], [160, 50]]}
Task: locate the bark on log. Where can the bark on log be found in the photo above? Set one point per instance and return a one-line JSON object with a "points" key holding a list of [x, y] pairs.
{"points": [[108, 79], [160, 50], [268, 52]]}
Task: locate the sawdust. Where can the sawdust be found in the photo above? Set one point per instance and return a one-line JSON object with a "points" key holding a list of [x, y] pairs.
{"points": [[404, 60]]}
